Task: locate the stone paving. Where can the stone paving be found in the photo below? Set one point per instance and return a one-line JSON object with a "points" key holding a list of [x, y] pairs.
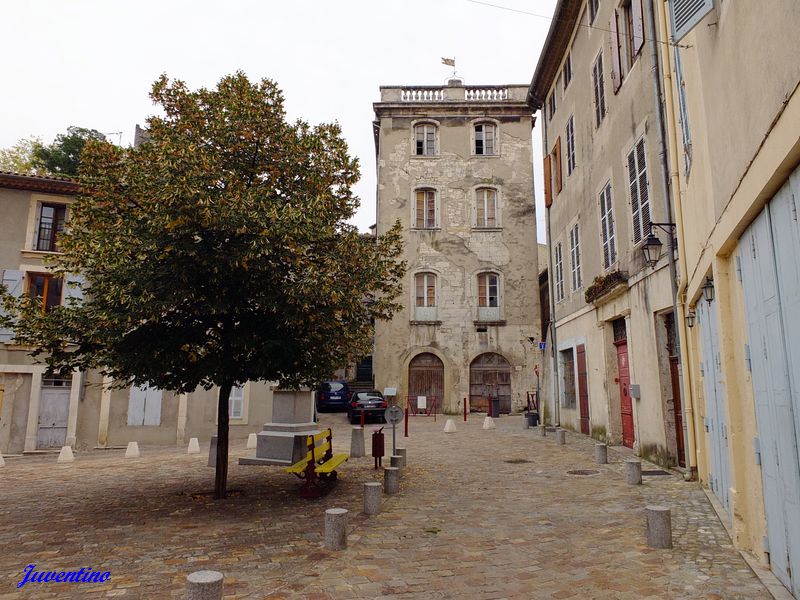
{"points": [[481, 514]]}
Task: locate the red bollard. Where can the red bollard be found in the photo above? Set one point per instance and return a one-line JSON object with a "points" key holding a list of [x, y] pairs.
{"points": [[465, 410], [406, 431], [362, 417]]}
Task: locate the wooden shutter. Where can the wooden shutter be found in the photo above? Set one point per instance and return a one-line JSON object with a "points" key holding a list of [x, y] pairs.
{"points": [[685, 14], [548, 183], [557, 158], [613, 39], [638, 26]]}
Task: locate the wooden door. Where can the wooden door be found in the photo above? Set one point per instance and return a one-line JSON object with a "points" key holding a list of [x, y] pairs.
{"points": [[583, 390], [426, 378], [53, 414], [625, 403], [490, 375]]}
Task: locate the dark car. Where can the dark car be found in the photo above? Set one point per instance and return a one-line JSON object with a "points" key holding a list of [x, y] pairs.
{"points": [[332, 395], [371, 403]]}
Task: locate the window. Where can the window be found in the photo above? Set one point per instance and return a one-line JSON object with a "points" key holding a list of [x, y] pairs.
{"points": [[45, 287], [640, 198], [568, 370], [593, 6], [486, 208], [570, 145], [626, 29], [425, 136], [488, 297], [686, 133], [599, 90], [236, 402], [51, 223], [567, 71], [144, 406], [607, 229], [551, 105], [425, 209], [575, 257], [425, 297], [485, 139], [559, 272]]}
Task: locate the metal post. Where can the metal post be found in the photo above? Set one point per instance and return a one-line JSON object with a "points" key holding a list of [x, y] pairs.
{"points": [[465, 410], [406, 432], [362, 417]]}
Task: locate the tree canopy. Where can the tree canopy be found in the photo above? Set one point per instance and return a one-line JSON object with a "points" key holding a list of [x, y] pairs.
{"points": [[218, 252], [62, 156], [19, 158]]}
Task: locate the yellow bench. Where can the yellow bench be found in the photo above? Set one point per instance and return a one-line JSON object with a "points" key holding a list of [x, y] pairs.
{"points": [[320, 463]]}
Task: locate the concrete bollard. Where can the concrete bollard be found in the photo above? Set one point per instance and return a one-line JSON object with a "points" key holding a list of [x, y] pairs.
{"points": [[633, 471], [525, 421], [2, 460], [543, 430], [561, 437], [449, 426], [372, 498], [65, 456], [488, 423], [194, 446], [391, 480], [357, 443], [395, 460], [252, 441], [403, 453], [132, 451], [336, 528], [601, 454], [204, 585], [659, 526]]}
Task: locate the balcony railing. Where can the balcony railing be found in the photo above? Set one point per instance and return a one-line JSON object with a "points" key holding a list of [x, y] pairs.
{"points": [[454, 93]]}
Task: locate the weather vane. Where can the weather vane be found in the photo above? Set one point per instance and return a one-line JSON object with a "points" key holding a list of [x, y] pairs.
{"points": [[450, 62]]}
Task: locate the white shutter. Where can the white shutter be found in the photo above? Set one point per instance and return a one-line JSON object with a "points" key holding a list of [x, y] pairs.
{"points": [[638, 25], [685, 14], [144, 406], [12, 281], [152, 407], [136, 403], [236, 402], [72, 287]]}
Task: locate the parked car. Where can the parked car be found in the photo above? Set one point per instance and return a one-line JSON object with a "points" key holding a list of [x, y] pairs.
{"points": [[371, 403], [332, 395]]}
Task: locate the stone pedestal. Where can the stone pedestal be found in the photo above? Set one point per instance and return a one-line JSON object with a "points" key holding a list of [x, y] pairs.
{"points": [[601, 454], [194, 446], [402, 453], [336, 528], [659, 527], [372, 498], [132, 451], [66, 455], [449, 426], [633, 472], [204, 585], [391, 480], [357, 443], [397, 461], [561, 437], [283, 441]]}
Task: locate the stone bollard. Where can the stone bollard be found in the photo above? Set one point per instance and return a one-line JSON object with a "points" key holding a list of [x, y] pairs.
{"points": [[601, 454], [357, 443], [372, 498], [543, 430], [403, 453], [561, 437], [252, 441], [659, 526], [633, 471], [525, 421], [65, 456], [204, 585], [132, 451], [336, 528], [194, 446], [449, 426], [395, 460], [391, 480], [488, 423]]}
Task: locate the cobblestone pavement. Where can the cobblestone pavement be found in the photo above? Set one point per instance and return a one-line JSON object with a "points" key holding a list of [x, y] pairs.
{"points": [[481, 514]]}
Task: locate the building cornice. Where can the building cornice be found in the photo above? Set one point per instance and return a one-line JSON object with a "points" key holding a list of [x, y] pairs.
{"points": [[39, 183]]}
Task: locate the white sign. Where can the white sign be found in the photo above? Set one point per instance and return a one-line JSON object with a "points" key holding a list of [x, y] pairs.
{"points": [[393, 415], [422, 402], [390, 391]]}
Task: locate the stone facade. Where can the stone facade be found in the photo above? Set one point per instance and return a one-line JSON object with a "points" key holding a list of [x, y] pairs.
{"points": [[454, 168]]}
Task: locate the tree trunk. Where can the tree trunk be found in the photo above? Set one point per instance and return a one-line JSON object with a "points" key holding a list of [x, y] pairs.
{"points": [[221, 475]]}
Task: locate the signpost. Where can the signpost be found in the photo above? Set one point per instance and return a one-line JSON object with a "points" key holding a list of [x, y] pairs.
{"points": [[393, 415]]}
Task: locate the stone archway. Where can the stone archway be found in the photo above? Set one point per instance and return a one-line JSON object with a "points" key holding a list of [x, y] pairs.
{"points": [[426, 378], [490, 374]]}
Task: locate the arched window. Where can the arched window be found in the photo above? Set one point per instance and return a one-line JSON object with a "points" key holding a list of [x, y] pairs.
{"points": [[486, 208], [425, 210], [425, 297], [425, 139], [485, 139], [488, 297]]}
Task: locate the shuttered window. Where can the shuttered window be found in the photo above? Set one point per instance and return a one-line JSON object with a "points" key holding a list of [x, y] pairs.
{"points": [[486, 208], [570, 133], [593, 6], [686, 132], [685, 14], [425, 135], [46, 288], [144, 406], [557, 160], [599, 89], [626, 39], [559, 272], [551, 105], [548, 182], [607, 227], [485, 139], [575, 257], [567, 71], [236, 402], [425, 209], [640, 197], [425, 284], [488, 290]]}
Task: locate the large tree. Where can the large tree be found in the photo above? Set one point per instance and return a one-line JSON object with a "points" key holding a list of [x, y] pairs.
{"points": [[63, 155], [19, 158], [217, 253]]}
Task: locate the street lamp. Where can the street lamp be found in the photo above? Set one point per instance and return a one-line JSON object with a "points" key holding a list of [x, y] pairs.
{"points": [[708, 290], [690, 317], [652, 245]]}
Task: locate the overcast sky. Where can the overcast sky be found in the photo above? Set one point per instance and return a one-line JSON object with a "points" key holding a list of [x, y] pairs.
{"points": [[91, 62]]}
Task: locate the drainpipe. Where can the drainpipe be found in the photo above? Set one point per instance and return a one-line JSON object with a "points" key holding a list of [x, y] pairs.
{"points": [[688, 398], [665, 181]]}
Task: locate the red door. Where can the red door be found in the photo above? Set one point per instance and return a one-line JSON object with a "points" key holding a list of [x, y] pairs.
{"points": [[676, 405], [583, 390], [626, 406]]}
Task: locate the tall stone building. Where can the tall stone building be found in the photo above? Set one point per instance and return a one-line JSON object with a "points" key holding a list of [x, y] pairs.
{"points": [[455, 168]]}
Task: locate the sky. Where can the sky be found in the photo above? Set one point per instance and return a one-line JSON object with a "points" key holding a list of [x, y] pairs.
{"points": [[91, 63]]}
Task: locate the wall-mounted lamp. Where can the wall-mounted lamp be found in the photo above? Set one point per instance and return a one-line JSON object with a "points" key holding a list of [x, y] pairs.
{"points": [[708, 290], [690, 317], [652, 245]]}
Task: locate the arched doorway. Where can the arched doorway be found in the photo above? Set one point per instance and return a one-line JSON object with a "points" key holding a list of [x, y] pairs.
{"points": [[426, 378], [490, 374]]}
